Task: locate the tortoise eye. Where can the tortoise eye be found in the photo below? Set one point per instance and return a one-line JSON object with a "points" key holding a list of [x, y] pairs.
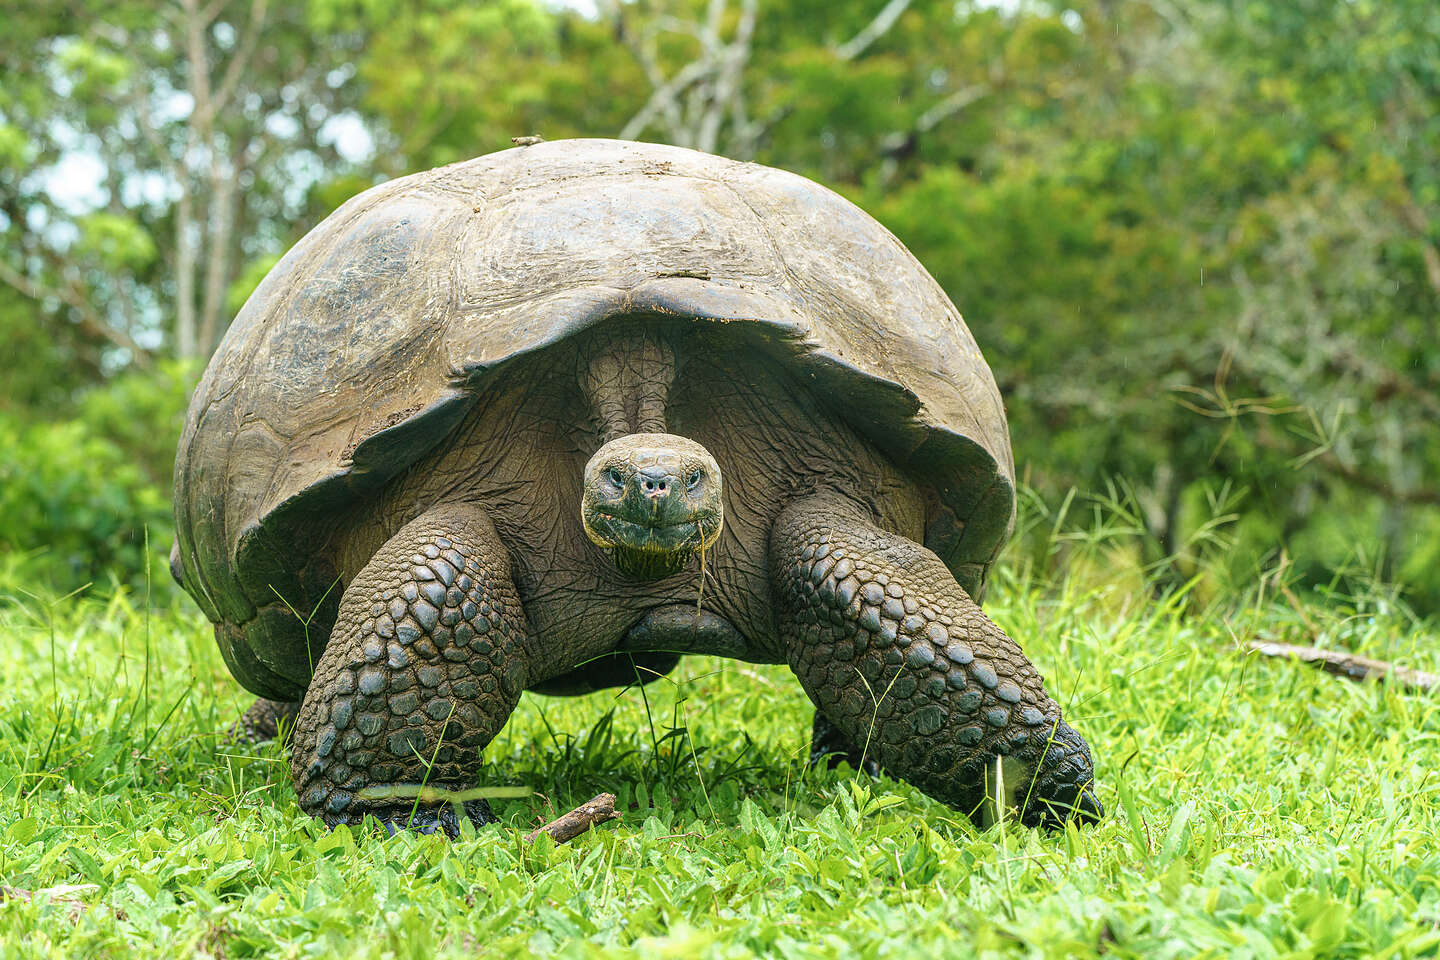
{"points": [[693, 480], [616, 477]]}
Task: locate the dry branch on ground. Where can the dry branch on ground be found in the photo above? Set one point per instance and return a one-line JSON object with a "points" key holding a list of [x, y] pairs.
{"points": [[577, 821], [1348, 665]]}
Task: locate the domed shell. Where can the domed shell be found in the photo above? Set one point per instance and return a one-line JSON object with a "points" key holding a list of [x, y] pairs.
{"points": [[362, 347]]}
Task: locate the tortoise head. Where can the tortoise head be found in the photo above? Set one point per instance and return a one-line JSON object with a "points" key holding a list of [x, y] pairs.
{"points": [[653, 500]]}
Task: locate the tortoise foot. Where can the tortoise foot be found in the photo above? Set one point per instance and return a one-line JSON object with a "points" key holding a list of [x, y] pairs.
{"points": [[425, 818], [1063, 789], [830, 747], [265, 720]]}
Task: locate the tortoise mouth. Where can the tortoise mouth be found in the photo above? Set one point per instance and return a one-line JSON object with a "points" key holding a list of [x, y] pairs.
{"points": [[688, 535], [651, 551], [667, 544]]}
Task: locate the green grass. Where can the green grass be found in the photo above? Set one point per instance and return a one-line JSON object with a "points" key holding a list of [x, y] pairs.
{"points": [[1256, 808]]}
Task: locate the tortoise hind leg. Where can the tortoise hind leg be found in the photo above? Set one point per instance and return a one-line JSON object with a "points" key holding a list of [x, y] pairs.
{"points": [[425, 663], [266, 720], [829, 746]]}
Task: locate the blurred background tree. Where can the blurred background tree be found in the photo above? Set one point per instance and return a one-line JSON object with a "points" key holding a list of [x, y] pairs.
{"points": [[1199, 242]]}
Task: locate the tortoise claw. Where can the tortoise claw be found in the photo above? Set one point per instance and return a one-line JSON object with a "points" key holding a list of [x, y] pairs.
{"points": [[426, 818], [1064, 788], [829, 746]]}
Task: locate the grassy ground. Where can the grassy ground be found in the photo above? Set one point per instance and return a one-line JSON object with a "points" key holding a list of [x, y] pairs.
{"points": [[1257, 808]]}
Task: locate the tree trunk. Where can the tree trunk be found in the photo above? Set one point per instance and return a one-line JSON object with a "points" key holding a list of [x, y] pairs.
{"points": [[217, 251], [186, 334]]}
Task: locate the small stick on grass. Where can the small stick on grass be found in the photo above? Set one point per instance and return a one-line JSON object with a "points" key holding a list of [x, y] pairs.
{"points": [[1349, 666], [577, 821], [64, 895]]}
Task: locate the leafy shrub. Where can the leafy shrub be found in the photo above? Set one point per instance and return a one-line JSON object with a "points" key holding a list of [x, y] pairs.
{"points": [[78, 492], [77, 507], [142, 412]]}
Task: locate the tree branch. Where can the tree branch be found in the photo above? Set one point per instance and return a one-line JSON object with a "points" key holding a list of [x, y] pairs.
{"points": [[640, 48], [1332, 463], [89, 319], [1349, 665], [217, 250], [198, 63], [241, 60], [873, 30], [212, 12], [727, 84], [899, 140], [1375, 485], [147, 129], [895, 145], [665, 97], [577, 821]]}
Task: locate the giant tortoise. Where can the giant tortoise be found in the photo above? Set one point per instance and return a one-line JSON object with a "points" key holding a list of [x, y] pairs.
{"points": [[498, 426]]}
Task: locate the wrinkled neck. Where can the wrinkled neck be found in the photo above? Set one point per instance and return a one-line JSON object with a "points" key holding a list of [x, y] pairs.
{"points": [[626, 377]]}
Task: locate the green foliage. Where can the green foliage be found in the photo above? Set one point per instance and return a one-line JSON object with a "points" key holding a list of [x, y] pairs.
{"points": [[147, 151], [1199, 249], [1198, 243], [142, 413], [77, 507], [13, 144], [453, 81], [40, 363], [78, 495], [115, 242], [1258, 808]]}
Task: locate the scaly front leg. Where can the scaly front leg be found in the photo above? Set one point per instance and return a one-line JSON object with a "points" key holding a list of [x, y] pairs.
{"points": [[897, 656], [425, 663]]}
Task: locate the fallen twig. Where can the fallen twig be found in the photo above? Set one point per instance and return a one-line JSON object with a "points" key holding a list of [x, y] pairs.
{"points": [[1348, 665], [64, 895], [577, 821]]}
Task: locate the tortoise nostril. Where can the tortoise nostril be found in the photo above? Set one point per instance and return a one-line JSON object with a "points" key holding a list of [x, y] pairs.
{"points": [[654, 482]]}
